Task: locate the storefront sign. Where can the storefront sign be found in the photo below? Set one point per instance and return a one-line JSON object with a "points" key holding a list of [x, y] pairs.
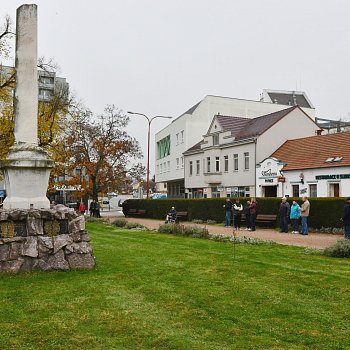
{"points": [[268, 173], [332, 177], [268, 180]]}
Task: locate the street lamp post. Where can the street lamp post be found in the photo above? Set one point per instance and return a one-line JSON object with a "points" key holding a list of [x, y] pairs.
{"points": [[149, 120]]}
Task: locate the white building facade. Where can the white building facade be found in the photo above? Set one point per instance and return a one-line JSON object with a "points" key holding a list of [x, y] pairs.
{"points": [[223, 164], [189, 128], [317, 166]]}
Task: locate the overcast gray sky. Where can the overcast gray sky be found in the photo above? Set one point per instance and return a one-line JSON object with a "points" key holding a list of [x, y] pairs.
{"points": [[160, 57]]}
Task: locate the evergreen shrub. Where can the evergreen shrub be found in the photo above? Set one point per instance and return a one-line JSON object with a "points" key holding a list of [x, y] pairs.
{"points": [[341, 249]]}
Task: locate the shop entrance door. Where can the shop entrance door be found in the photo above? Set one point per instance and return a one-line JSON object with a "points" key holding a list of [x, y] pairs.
{"points": [[270, 191]]}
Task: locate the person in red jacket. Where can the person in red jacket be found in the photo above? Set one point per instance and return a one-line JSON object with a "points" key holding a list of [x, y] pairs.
{"points": [[253, 212], [82, 208]]}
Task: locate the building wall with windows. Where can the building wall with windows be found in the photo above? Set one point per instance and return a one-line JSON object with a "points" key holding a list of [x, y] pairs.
{"points": [[315, 166], [228, 163], [320, 182], [189, 128]]}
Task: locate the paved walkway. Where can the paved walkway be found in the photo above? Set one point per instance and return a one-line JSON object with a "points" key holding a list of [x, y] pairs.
{"points": [[313, 240]]}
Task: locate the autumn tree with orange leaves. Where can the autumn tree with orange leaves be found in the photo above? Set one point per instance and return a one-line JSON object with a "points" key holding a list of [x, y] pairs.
{"points": [[102, 151]]}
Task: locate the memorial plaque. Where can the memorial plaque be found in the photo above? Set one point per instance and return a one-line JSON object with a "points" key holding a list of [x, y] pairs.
{"points": [[10, 229], [64, 227], [20, 229], [51, 228]]}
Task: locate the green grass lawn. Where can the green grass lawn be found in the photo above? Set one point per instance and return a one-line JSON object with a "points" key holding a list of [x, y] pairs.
{"points": [[157, 291]]}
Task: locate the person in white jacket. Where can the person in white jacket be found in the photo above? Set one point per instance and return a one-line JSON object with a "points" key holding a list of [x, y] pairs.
{"points": [[237, 214]]}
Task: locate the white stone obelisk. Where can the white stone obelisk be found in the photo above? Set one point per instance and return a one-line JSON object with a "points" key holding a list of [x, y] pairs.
{"points": [[27, 167], [26, 91]]}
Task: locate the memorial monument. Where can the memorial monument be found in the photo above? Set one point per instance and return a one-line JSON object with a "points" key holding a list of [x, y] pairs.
{"points": [[27, 167], [33, 236]]}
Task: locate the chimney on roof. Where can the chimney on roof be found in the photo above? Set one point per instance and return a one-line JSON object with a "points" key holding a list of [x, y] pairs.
{"points": [[294, 99], [319, 132]]}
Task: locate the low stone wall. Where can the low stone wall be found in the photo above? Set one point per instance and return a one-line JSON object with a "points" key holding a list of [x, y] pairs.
{"points": [[44, 239]]}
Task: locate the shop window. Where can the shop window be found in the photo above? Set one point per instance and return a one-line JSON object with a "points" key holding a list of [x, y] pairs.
{"points": [[313, 190], [295, 190]]}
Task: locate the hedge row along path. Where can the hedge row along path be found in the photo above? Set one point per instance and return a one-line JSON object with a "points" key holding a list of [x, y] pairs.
{"points": [[313, 240]]}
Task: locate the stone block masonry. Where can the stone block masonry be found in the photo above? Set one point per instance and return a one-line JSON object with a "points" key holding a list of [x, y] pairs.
{"points": [[44, 239]]}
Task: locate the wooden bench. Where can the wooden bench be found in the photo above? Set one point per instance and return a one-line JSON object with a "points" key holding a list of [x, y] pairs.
{"points": [[181, 215], [264, 218], [136, 212]]}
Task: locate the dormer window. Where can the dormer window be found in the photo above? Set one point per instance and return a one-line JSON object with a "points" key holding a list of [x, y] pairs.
{"points": [[216, 139]]}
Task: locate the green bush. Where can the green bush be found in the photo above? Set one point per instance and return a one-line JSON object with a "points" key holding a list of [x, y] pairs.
{"points": [[196, 231], [131, 225], [171, 228], [341, 249], [120, 222], [197, 221], [193, 231]]}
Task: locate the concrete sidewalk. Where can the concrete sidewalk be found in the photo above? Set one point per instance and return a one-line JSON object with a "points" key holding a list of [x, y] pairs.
{"points": [[313, 240]]}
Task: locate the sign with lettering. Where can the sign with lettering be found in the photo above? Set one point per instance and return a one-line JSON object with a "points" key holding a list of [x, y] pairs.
{"points": [[332, 177], [268, 173]]}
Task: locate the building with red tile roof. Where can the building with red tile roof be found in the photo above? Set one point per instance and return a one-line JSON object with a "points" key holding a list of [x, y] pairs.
{"points": [[316, 166]]}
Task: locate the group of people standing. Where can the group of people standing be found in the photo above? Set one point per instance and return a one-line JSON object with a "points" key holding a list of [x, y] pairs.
{"points": [[237, 209], [294, 212]]}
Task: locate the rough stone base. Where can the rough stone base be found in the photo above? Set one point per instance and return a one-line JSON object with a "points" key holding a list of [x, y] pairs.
{"points": [[44, 239]]}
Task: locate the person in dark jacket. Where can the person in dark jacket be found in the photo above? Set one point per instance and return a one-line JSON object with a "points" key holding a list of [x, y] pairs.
{"points": [[253, 212], [284, 215], [346, 218], [228, 208]]}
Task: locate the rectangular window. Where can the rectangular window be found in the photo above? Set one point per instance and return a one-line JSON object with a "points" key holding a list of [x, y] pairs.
{"points": [[208, 164], [168, 165], [215, 139], [226, 163], [313, 190], [217, 164], [163, 147], [177, 163], [191, 168], [235, 162], [177, 139], [164, 166], [246, 160], [182, 162], [197, 167], [161, 168], [182, 136], [157, 169], [295, 190]]}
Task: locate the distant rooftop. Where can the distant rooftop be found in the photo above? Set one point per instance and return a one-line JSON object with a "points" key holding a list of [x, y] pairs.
{"points": [[288, 98]]}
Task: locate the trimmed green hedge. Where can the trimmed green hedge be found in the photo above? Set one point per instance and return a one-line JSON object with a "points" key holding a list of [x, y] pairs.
{"points": [[324, 212]]}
